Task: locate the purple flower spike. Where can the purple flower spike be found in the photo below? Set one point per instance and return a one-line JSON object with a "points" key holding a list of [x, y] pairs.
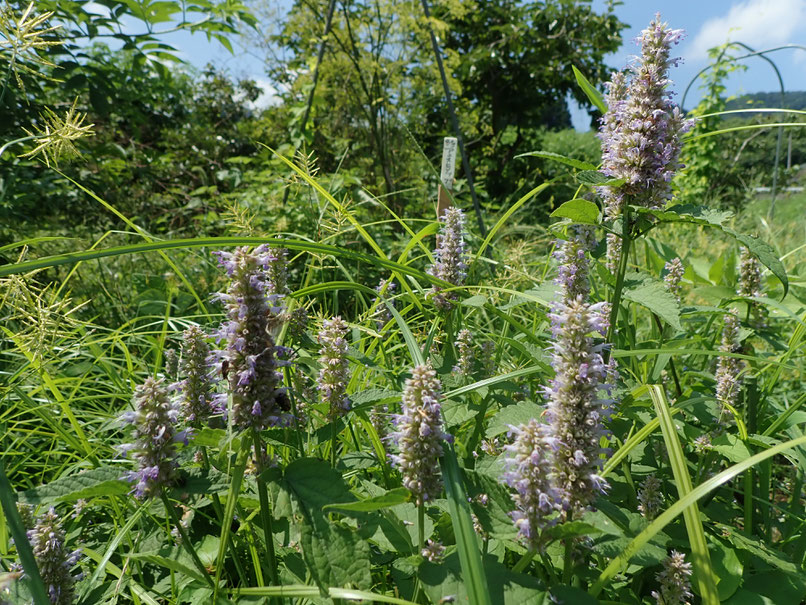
{"points": [[675, 585], [576, 413], [155, 436], [529, 473], [449, 258], [729, 369], [196, 395], [334, 375], [641, 130], [419, 435], [467, 354], [674, 274], [54, 561], [253, 311]]}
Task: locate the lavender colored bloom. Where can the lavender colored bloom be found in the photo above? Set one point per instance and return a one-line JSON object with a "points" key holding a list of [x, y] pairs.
{"points": [[433, 551], [419, 435], [382, 315], [334, 375], [729, 369], [675, 585], [530, 473], [467, 355], [575, 411], [674, 274], [572, 272], [641, 130], [196, 396], [449, 264], [155, 436], [253, 312], [55, 563], [650, 497]]}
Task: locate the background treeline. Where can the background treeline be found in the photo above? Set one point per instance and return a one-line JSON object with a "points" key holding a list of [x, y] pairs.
{"points": [[183, 152]]}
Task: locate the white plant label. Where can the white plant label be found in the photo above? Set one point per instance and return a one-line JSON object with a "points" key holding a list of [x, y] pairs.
{"points": [[448, 161]]}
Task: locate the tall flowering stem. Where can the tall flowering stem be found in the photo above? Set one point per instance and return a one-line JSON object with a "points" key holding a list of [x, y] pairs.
{"points": [[155, 437], [252, 312], [55, 563], [449, 257], [419, 435], [640, 136]]}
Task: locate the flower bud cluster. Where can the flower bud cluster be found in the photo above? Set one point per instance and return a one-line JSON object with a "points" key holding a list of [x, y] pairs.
{"points": [[155, 436], [573, 267], [334, 375], [750, 285], [196, 388], [450, 264], [467, 354], [419, 435], [674, 274], [650, 498], [529, 472], [55, 563], [729, 369], [253, 311], [675, 585], [382, 315], [433, 551]]}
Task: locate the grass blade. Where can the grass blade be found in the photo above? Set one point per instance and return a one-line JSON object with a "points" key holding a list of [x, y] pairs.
{"points": [[17, 529], [705, 488], [701, 560], [466, 540]]}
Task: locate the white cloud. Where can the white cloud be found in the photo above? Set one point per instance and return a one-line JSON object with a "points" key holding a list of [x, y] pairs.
{"points": [[758, 23]]}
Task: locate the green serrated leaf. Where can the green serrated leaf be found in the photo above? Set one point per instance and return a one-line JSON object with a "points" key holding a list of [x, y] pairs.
{"points": [[335, 555], [593, 95], [393, 497], [103, 481], [579, 211], [316, 484], [653, 294], [597, 179], [513, 415], [702, 215], [556, 157]]}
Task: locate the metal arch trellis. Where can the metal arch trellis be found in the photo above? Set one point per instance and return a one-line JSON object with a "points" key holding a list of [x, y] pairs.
{"points": [[761, 54]]}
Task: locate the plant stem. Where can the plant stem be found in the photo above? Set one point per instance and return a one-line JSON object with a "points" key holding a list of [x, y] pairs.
{"points": [[185, 539], [265, 510], [421, 525], [333, 439], [569, 547], [622, 270], [524, 561]]}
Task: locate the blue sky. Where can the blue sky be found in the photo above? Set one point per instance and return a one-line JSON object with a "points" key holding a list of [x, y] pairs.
{"points": [[760, 24]]}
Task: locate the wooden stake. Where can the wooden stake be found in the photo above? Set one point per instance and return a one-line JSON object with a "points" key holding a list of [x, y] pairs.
{"points": [[449, 145]]}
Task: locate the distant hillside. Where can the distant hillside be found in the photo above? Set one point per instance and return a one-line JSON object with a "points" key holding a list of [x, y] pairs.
{"points": [[792, 100]]}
